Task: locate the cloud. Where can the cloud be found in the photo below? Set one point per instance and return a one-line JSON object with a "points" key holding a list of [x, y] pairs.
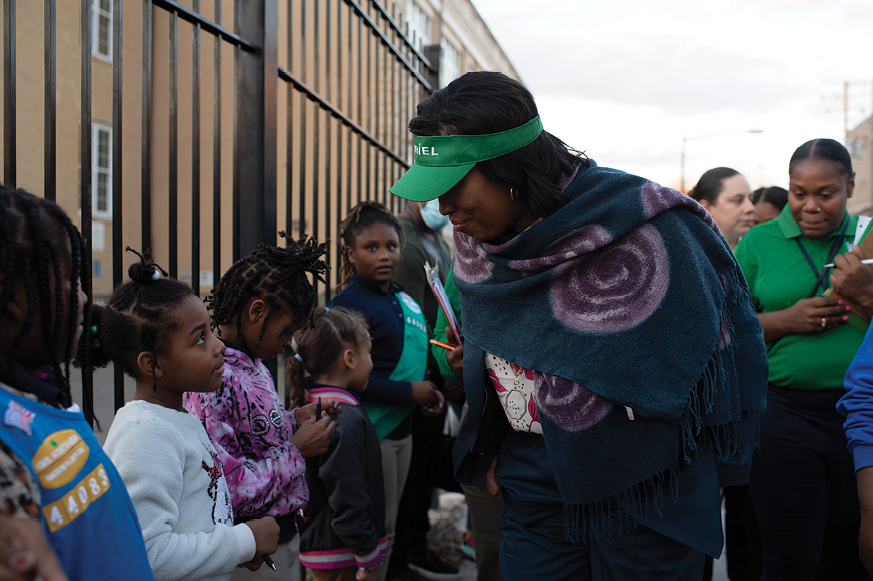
{"points": [[665, 72]]}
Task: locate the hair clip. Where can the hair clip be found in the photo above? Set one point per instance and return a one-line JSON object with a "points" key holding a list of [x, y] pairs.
{"points": [[298, 358], [156, 275]]}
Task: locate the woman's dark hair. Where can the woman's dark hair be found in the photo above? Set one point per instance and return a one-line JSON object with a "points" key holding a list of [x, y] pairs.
{"points": [[359, 218], [36, 237], [320, 346], [828, 149], [274, 275], [484, 102], [139, 316], [772, 195], [711, 183]]}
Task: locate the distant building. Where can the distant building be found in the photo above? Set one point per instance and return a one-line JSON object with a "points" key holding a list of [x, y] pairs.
{"points": [[860, 146], [448, 33]]}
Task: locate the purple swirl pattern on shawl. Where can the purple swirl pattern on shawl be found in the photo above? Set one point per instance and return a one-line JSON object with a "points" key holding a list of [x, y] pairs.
{"points": [[575, 244], [470, 263], [616, 289], [570, 405], [657, 198]]}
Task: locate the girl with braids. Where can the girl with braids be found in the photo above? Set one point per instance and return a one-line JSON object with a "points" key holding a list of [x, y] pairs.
{"points": [[344, 535], [157, 330], [52, 468], [256, 307], [372, 239]]}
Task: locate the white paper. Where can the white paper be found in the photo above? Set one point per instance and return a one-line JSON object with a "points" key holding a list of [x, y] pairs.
{"points": [[863, 221]]}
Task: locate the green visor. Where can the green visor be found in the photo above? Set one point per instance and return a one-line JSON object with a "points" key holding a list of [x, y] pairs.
{"points": [[442, 161]]}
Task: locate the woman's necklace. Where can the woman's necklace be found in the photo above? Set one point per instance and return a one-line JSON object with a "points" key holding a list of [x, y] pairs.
{"points": [[516, 413]]}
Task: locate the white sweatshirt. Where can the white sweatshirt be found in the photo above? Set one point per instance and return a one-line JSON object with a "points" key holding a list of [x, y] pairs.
{"points": [[176, 483]]}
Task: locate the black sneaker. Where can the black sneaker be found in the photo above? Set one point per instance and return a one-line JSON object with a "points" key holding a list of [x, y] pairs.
{"points": [[432, 567]]}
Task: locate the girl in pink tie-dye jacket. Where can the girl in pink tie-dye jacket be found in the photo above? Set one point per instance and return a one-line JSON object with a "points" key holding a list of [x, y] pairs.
{"points": [[256, 306]]}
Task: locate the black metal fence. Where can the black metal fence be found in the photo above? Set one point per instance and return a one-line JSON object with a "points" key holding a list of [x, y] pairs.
{"points": [[315, 109]]}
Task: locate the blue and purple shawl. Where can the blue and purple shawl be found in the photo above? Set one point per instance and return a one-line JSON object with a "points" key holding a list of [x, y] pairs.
{"points": [[625, 297]]}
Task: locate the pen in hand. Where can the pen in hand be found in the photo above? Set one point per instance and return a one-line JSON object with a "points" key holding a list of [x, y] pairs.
{"points": [[269, 562], [443, 345], [865, 261]]}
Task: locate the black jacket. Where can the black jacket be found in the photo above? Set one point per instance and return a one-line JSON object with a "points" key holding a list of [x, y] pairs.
{"points": [[344, 522]]}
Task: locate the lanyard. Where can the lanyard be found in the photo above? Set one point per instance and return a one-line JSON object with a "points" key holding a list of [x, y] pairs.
{"points": [[820, 276]]}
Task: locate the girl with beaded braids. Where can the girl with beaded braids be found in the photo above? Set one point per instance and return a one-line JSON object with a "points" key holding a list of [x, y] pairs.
{"points": [[157, 330], [256, 307], [372, 239], [55, 479]]}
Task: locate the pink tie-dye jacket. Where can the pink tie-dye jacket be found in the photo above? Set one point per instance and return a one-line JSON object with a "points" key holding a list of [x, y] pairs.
{"points": [[252, 431]]}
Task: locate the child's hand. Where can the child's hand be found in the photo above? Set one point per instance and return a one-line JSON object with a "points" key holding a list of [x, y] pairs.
{"points": [[25, 552], [307, 412], [422, 392], [313, 438], [266, 533], [435, 406], [254, 564], [371, 576]]}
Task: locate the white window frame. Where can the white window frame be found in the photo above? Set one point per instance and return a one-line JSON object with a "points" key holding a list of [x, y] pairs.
{"points": [[96, 171], [418, 25], [450, 62], [96, 13]]}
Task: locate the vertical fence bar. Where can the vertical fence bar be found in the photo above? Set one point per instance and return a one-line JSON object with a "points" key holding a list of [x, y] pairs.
{"points": [[316, 127], [301, 211], [173, 170], [235, 215], [328, 142], [258, 85], [289, 124], [9, 111], [350, 138], [216, 154], [85, 181], [361, 116], [117, 140], [369, 112], [50, 127], [195, 154], [146, 149]]}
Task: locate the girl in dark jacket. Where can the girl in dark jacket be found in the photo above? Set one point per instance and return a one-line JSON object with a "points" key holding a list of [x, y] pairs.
{"points": [[344, 532]]}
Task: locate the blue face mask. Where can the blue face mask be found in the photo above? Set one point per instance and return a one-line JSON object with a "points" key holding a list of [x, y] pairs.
{"points": [[430, 214]]}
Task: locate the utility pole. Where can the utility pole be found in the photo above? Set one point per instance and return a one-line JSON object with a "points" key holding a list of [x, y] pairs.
{"points": [[846, 111]]}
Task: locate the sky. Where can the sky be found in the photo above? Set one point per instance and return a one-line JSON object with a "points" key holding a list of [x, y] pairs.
{"points": [[626, 80]]}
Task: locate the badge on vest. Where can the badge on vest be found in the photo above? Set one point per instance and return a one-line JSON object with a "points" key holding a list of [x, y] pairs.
{"points": [[18, 417]]}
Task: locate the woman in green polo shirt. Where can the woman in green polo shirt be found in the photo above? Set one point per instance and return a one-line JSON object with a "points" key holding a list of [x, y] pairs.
{"points": [[802, 482]]}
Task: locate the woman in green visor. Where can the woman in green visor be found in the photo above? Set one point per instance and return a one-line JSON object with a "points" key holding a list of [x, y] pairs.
{"points": [[614, 368]]}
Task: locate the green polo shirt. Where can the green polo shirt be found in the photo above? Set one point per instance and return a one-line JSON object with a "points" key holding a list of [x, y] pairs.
{"points": [[778, 276]]}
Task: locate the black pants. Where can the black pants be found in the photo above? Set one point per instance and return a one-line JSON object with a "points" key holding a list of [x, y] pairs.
{"points": [[427, 455], [803, 489]]}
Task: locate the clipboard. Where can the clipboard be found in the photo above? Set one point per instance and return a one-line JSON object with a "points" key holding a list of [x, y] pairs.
{"points": [[439, 291]]}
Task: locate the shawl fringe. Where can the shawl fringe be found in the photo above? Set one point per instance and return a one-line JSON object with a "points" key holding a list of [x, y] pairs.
{"points": [[625, 509]]}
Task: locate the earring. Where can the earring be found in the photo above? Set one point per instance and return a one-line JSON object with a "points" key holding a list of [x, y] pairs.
{"points": [[513, 194]]}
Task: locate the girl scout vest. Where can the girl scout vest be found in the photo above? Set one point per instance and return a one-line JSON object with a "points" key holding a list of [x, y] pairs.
{"points": [[87, 515], [410, 367]]}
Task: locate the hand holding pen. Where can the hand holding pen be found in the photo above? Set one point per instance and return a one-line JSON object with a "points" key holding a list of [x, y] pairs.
{"points": [[266, 532]]}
